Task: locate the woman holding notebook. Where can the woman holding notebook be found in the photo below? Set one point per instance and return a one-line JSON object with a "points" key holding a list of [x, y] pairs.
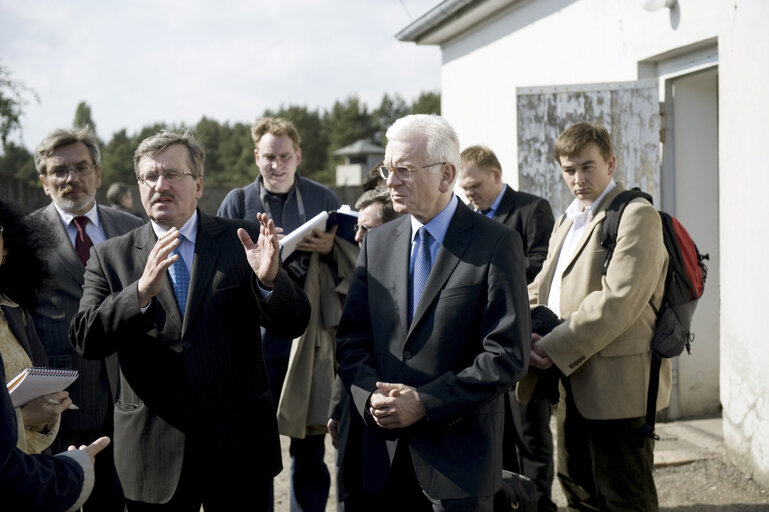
{"points": [[22, 272]]}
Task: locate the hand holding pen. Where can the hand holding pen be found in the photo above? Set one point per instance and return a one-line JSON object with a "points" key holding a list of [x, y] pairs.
{"points": [[46, 410]]}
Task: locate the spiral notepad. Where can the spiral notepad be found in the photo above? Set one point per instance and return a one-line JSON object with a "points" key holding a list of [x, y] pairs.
{"points": [[35, 382]]}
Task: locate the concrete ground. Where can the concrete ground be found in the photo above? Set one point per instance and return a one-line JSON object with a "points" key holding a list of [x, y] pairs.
{"points": [[691, 472]]}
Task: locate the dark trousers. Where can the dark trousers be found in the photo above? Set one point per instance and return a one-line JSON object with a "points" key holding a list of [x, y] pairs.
{"points": [[310, 478], [602, 464], [403, 492], [527, 446], [201, 484], [107, 495], [536, 448]]}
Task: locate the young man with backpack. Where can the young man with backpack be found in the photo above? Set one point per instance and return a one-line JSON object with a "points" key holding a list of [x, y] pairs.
{"points": [[602, 348]]}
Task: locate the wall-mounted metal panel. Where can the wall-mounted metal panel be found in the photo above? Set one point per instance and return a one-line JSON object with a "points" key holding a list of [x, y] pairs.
{"points": [[629, 110]]}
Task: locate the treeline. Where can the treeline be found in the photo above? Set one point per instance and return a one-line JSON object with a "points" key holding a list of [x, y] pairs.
{"points": [[229, 148]]}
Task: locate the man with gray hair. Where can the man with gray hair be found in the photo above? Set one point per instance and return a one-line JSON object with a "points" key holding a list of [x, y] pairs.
{"points": [[435, 329], [181, 300], [69, 166]]}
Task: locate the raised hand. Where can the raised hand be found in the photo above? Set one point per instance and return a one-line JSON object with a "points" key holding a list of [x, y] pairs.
{"points": [[263, 255], [158, 263]]}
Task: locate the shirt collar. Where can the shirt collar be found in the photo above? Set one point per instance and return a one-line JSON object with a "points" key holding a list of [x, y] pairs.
{"points": [[66, 217], [189, 229], [438, 225], [495, 205], [577, 211]]}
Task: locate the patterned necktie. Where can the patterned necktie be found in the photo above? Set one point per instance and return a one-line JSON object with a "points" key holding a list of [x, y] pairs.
{"points": [[83, 242], [422, 266], [180, 278]]}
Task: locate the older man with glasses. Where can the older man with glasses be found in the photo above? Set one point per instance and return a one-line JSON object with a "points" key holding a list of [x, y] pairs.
{"points": [[69, 165], [181, 301], [435, 330]]}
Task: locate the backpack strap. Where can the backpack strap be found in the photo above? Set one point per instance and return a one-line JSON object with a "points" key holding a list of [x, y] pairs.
{"points": [[647, 430], [610, 226]]}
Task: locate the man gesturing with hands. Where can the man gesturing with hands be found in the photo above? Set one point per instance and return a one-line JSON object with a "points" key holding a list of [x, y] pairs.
{"points": [[179, 300]]}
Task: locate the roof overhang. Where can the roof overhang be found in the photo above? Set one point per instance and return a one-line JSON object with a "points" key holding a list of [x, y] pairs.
{"points": [[451, 18]]}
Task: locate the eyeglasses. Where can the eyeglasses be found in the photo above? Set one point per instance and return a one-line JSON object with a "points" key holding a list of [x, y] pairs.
{"points": [[171, 176], [61, 172], [403, 172], [355, 228]]}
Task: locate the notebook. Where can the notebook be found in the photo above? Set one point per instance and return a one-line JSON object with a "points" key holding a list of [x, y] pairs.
{"points": [[35, 382], [345, 217]]}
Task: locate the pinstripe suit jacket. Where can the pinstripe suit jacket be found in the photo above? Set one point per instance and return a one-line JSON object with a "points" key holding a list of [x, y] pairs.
{"points": [[54, 311], [193, 384]]}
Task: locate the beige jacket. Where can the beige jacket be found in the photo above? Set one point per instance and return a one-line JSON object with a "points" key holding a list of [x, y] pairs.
{"points": [[307, 388], [604, 344]]}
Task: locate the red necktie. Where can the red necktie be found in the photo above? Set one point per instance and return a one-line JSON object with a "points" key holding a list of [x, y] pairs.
{"points": [[83, 242]]}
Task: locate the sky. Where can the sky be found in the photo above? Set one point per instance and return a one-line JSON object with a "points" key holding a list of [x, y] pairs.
{"points": [[137, 62]]}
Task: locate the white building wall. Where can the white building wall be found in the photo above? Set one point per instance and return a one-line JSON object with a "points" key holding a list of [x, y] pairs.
{"points": [[744, 110], [588, 41]]}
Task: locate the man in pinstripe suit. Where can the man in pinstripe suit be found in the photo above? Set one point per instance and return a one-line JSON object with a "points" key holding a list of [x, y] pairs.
{"points": [[181, 301]]}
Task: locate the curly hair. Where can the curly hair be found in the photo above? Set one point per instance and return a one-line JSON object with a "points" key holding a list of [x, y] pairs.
{"points": [[23, 271]]}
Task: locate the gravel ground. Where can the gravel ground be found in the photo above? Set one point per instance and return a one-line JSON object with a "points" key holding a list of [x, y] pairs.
{"points": [[707, 484]]}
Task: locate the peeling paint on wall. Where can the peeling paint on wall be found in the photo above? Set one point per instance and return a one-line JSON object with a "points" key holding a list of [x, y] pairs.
{"points": [[629, 110]]}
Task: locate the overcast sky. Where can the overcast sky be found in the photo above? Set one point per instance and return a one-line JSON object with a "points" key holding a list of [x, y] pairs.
{"points": [[136, 62]]}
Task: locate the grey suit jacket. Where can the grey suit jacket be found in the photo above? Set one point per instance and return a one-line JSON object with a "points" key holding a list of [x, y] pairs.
{"points": [[469, 342], [532, 217], [57, 305], [196, 384]]}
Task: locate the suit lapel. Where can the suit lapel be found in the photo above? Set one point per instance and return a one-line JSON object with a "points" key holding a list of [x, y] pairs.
{"points": [[145, 241], [458, 237], [64, 250], [206, 253], [397, 263], [506, 206]]}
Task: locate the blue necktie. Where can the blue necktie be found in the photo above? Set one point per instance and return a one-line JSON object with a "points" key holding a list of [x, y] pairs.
{"points": [[422, 266], [180, 278]]}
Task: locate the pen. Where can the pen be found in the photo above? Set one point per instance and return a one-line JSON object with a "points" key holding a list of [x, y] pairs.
{"points": [[53, 401]]}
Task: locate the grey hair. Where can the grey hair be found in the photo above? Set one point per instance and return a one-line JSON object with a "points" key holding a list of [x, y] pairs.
{"points": [[154, 144], [61, 137], [442, 143]]}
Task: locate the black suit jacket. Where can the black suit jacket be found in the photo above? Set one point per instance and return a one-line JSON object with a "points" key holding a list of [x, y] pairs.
{"points": [[532, 217], [56, 306], [469, 342], [199, 384]]}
